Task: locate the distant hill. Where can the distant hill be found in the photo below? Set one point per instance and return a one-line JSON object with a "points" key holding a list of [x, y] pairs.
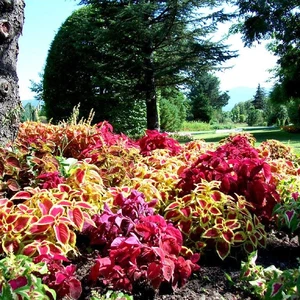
{"points": [[240, 94]]}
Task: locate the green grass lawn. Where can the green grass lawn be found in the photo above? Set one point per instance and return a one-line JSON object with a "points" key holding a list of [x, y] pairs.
{"points": [[291, 139]]}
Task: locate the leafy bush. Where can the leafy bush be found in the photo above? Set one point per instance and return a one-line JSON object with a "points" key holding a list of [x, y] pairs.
{"points": [[137, 246], [195, 126], [210, 219], [236, 164], [271, 283], [19, 278]]}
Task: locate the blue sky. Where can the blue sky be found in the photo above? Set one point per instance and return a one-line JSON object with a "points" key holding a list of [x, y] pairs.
{"points": [[44, 17]]}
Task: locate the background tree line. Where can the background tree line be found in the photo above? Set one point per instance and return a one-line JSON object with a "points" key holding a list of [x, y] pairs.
{"points": [[123, 58], [135, 63]]}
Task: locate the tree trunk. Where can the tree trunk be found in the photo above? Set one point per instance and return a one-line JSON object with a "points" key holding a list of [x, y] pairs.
{"points": [[11, 25], [151, 105], [150, 91]]}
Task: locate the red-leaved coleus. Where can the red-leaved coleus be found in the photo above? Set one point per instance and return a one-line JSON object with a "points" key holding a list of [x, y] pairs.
{"points": [[156, 140], [240, 170], [137, 246], [60, 278]]}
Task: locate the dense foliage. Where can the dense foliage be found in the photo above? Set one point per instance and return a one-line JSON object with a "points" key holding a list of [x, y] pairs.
{"points": [[278, 22], [144, 210], [206, 98], [67, 84], [125, 53]]}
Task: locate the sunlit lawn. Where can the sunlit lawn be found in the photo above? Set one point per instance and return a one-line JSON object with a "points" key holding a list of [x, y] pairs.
{"points": [[291, 139]]}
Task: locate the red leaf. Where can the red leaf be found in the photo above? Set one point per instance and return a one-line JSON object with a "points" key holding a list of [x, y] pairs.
{"points": [[232, 224], [255, 171], [185, 226], [64, 188], [214, 211], [1, 169], [289, 215], [154, 270], [172, 215], [276, 288], [227, 235], [186, 211], [211, 233], [18, 282], [168, 269], [62, 233], [253, 239], [267, 172], [12, 161], [249, 247], [66, 203], [46, 220], [83, 204], [170, 245], [21, 195], [239, 237], [216, 196], [80, 174], [56, 211], [36, 229], [249, 226], [13, 185], [45, 206], [21, 223], [78, 218], [75, 288], [173, 205], [223, 249]]}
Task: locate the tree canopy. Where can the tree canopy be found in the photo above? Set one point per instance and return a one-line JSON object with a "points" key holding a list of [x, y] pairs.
{"points": [[75, 72], [205, 97], [279, 22], [139, 47]]}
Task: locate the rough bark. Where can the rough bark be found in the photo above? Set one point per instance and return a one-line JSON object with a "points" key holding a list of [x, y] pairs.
{"points": [[11, 25], [151, 99], [150, 88]]}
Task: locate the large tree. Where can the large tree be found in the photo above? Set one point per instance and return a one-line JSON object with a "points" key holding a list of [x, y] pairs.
{"points": [[76, 73], [278, 22], [11, 24], [151, 44], [205, 97]]}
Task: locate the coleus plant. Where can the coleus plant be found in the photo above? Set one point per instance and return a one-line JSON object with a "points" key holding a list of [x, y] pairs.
{"points": [[61, 278], [270, 282], [210, 219], [137, 246], [287, 214], [46, 222], [153, 139], [19, 279], [241, 172], [67, 139], [273, 149]]}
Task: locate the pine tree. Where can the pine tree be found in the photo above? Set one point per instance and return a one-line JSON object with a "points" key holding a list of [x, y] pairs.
{"points": [[153, 44], [259, 98]]}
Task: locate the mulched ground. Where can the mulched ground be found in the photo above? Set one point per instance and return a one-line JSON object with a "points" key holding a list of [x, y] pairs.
{"points": [[210, 282]]}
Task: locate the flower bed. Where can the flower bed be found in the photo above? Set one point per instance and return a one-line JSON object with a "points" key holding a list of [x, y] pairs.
{"points": [[141, 214]]}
